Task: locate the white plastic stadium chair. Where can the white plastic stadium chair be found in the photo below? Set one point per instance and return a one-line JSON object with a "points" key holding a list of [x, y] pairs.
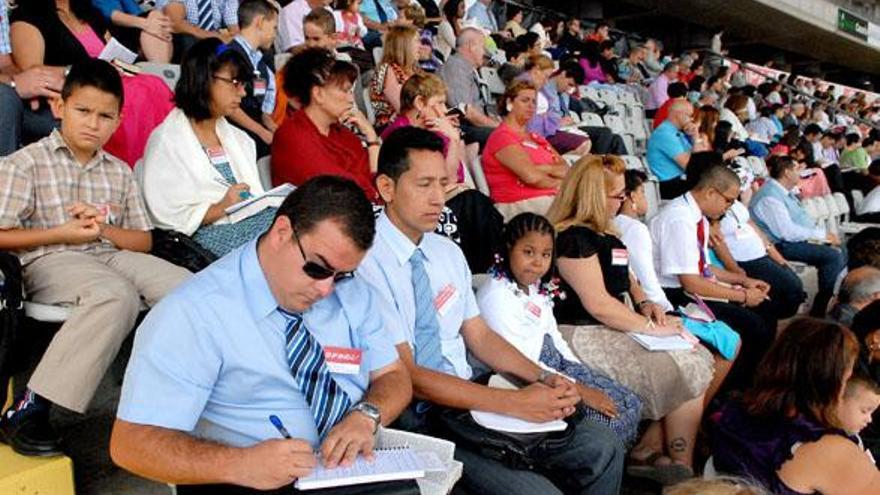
{"points": [[169, 73]]}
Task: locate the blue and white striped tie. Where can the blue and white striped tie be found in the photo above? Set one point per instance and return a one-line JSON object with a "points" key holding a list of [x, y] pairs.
{"points": [[427, 331], [206, 14], [327, 401]]}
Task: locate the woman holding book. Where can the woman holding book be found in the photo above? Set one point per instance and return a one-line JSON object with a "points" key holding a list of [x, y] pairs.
{"points": [[595, 320], [197, 164]]}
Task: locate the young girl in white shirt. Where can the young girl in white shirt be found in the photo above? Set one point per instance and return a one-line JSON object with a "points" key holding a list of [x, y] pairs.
{"points": [[517, 303]]}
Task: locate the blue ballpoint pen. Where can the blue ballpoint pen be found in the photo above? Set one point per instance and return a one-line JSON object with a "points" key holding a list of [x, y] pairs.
{"points": [[279, 426]]}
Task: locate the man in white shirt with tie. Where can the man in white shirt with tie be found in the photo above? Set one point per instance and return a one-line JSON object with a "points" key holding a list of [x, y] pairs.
{"points": [[432, 315], [797, 236], [680, 234]]}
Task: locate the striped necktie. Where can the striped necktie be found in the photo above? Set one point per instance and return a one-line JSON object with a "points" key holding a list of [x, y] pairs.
{"points": [[327, 401], [205, 10], [427, 331]]}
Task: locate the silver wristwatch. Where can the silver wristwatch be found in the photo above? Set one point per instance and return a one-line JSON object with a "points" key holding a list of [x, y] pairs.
{"points": [[370, 411]]}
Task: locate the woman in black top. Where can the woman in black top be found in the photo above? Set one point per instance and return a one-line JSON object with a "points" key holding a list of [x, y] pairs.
{"points": [[594, 267]]}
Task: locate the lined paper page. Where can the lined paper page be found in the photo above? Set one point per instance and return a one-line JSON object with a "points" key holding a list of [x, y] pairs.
{"points": [[388, 465]]}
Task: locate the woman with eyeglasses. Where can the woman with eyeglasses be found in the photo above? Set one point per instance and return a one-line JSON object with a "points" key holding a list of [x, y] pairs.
{"points": [[522, 169], [595, 319], [320, 138], [197, 164]]}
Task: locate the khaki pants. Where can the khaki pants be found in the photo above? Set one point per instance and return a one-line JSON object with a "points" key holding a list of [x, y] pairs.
{"points": [[538, 206], [105, 291]]}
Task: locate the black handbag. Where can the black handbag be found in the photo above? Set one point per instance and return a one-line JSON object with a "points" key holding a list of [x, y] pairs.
{"points": [[180, 249], [523, 451]]}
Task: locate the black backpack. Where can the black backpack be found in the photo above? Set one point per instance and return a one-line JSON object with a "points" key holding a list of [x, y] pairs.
{"points": [[11, 318]]}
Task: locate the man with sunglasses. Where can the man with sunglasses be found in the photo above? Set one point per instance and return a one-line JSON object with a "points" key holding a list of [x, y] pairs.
{"points": [[680, 235], [432, 316], [279, 327]]}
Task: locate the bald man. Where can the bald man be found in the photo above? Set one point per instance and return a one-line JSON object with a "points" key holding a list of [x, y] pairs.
{"points": [[460, 75], [860, 288], [669, 149]]}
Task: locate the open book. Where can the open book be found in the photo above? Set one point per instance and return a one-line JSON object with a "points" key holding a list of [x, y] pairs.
{"points": [[388, 465], [253, 205], [509, 424], [115, 50]]}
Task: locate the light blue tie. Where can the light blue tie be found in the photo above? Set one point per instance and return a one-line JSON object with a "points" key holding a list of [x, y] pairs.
{"points": [[327, 401], [427, 331], [205, 10]]}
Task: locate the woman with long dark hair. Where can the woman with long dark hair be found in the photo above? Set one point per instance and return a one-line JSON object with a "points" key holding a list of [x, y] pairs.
{"points": [[785, 433]]}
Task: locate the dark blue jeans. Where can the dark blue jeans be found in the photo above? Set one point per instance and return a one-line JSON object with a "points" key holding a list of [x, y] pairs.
{"points": [[786, 289], [593, 464], [19, 125], [830, 261]]}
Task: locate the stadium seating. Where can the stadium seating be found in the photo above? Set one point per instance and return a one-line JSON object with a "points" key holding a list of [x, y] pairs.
{"points": [[169, 73], [493, 81]]}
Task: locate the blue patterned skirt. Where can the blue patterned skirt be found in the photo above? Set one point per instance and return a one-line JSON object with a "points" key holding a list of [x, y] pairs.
{"points": [[629, 406], [222, 238]]}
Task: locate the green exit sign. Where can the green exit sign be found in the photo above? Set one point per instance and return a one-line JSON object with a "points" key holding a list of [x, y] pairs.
{"points": [[852, 24]]}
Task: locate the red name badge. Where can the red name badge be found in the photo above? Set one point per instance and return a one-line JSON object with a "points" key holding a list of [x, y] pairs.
{"points": [[533, 312], [533, 309], [619, 257], [445, 298], [343, 360]]}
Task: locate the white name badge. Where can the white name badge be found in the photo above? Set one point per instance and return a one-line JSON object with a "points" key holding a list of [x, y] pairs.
{"points": [[619, 257], [260, 87], [343, 360], [529, 144], [445, 298], [217, 156]]}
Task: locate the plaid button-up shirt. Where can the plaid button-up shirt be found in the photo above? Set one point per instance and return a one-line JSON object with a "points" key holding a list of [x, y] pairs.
{"points": [[39, 182]]}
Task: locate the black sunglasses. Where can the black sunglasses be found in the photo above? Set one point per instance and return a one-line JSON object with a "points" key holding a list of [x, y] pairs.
{"points": [[318, 271]]}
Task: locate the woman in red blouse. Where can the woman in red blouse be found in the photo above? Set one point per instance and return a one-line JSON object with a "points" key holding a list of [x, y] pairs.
{"points": [[315, 140], [522, 169]]}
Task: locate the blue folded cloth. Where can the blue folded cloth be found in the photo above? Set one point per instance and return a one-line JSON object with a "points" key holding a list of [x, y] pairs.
{"points": [[716, 334]]}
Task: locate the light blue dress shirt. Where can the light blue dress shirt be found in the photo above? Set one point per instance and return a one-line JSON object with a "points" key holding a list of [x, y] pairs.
{"points": [[387, 268], [210, 358], [256, 56], [368, 9], [665, 143], [479, 13]]}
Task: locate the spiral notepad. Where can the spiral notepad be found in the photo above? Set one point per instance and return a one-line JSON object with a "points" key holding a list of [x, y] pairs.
{"points": [[388, 465]]}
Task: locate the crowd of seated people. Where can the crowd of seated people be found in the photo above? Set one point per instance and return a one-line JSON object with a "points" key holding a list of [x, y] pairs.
{"points": [[377, 247]]}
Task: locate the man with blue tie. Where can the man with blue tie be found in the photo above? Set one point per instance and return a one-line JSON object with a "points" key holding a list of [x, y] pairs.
{"points": [[796, 235], [432, 316], [278, 327]]}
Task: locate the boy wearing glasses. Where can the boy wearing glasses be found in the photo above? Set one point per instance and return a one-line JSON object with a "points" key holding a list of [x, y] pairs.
{"points": [[277, 327], [74, 216]]}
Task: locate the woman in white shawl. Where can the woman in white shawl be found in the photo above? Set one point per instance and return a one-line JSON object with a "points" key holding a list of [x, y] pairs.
{"points": [[196, 163]]}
